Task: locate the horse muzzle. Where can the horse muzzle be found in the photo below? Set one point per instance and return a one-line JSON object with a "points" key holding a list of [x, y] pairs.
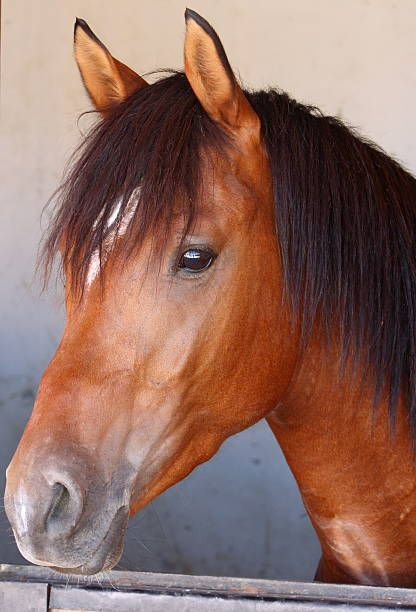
{"points": [[61, 521]]}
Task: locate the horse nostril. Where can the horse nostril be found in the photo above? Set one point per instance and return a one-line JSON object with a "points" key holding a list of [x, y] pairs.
{"points": [[65, 508], [60, 502]]}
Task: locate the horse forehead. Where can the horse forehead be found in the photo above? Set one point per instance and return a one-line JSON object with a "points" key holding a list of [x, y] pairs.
{"points": [[230, 200], [235, 177]]}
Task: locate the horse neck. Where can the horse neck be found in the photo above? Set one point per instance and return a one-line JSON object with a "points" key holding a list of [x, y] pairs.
{"points": [[357, 483]]}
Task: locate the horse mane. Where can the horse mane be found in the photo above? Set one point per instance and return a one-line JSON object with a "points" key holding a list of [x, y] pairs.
{"points": [[345, 215]]}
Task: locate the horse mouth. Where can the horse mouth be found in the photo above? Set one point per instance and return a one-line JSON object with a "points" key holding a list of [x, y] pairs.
{"points": [[108, 552]]}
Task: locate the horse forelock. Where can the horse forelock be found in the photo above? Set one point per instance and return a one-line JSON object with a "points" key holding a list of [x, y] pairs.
{"points": [[132, 175]]}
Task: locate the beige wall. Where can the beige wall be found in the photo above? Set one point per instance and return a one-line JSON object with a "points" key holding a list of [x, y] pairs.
{"points": [[354, 58]]}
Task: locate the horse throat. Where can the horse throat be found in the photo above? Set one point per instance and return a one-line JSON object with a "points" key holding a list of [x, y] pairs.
{"points": [[358, 482]]}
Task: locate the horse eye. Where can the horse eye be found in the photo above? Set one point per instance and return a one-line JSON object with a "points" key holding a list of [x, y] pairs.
{"points": [[196, 260]]}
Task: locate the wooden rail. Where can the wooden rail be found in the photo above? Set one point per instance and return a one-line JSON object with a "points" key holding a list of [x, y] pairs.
{"points": [[37, 589]]}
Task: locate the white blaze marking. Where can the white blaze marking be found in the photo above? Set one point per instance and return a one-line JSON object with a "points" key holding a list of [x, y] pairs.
{"points": [[94, 266]]}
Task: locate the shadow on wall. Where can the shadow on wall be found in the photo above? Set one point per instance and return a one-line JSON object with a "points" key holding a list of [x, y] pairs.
{"points": [[224, 519], [16, 401]]}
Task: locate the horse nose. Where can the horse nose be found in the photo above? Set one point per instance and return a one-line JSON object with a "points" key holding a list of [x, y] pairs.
{"points": [[52, 506]]}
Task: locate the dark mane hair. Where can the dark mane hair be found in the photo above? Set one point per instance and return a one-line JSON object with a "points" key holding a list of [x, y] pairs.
{"points": [[345, 215]]}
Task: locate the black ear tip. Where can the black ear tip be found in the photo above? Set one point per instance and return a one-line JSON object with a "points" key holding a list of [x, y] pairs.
{"points": [[81, 23], [207, 27], [190, 14]]}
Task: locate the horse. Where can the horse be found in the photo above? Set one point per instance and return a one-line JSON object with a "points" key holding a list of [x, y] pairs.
{"points": [[228, 256]]}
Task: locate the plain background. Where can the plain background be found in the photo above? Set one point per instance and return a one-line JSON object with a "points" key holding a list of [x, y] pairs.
{"points": [[240, 514]]}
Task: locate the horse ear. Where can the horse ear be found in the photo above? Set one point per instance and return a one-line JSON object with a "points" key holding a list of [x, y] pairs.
{"points": [[213, 81], [107, 81]]}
